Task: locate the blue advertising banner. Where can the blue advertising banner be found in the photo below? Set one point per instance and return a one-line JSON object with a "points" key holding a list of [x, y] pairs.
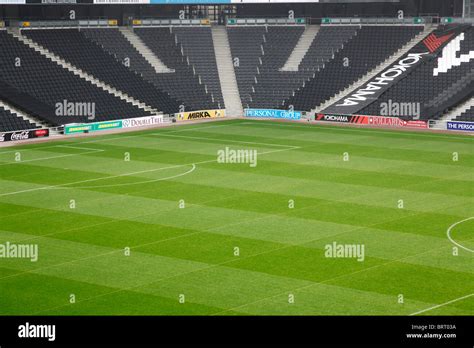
{"points": [[460, 126], [273, 113]]}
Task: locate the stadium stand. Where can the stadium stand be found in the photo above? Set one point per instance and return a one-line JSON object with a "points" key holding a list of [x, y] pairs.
{"points": [[258, 76], [72, 44], [198, 46], [271, 85], [356, 59], [467, 115], [185, 83], [11, 122], [246, 48], [179, 84], [435, 91], [37, 84]]}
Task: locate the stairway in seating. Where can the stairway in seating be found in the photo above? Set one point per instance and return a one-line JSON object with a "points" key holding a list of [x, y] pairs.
{"points": [[301, 48], [144, 50], [225, 67]]}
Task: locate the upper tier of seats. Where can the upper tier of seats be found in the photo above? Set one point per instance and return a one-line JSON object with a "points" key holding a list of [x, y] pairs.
{"points": [[436, 89]]}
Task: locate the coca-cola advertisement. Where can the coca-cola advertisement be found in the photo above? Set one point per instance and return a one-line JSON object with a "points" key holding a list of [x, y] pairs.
{"points": [[23, 135]]}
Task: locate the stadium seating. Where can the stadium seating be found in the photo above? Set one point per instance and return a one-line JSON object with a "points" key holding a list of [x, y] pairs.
{"points": [[356, 59], [180, 84], [467, 115], [271, 86], [262, 52], [436, 92], [38, 84], [184, 83], [12, 122], [85, 54], [199, 47]]}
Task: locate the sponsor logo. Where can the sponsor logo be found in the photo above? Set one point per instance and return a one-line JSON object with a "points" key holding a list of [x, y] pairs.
{"points": [[201, 114], [334, 118], [433, 43], [372, 120], [20, 136], [451, 57], [194, 115], [273, 113], [58, 1], [41, 133], [37, 331], [23, 135], [142, 121], [383, 80], [460, 126]]}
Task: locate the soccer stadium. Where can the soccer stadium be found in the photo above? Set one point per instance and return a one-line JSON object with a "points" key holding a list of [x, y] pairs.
{"points": [[236, 158]]}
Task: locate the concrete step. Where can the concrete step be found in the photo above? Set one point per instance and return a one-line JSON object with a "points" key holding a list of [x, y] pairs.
{"points": [[227, 78], [301, 48], [144, 50]]}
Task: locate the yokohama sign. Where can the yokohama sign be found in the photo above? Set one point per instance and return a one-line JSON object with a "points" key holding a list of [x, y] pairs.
{"points": [[382, 121], [375, 87], [24, 135]]}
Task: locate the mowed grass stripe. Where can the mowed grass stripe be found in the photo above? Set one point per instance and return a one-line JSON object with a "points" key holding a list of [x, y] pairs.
{"points": [[304, 187], [52, 298], [107, 271], [91, 229]]}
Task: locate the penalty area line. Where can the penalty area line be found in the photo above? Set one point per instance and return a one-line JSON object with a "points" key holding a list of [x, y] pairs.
{"points": [[442, 304], [448, 233]]}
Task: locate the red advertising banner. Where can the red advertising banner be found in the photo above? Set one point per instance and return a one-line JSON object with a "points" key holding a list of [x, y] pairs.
{"points": [[373, 121]]}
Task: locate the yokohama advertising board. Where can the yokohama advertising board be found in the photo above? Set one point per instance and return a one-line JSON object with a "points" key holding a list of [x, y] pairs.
{"points": [[382, 121]]}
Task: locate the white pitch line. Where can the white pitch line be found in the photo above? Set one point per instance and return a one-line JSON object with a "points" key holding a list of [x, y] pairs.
{"points": [[448, 233], [136, 183], [50, 187], [442, 304], [53, 157], [289, 147]]}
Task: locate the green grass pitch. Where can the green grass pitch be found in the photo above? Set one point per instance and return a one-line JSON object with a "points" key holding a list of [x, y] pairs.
{"points": [[209, 238]]}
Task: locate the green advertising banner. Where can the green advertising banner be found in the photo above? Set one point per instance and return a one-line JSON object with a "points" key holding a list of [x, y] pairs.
{"points": [[92, 127]]}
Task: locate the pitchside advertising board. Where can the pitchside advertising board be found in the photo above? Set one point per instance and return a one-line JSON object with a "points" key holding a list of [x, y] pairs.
{"points": [[273, 113], [423, 52], [372, 121], [102, 126], [460, 126], [24, 135], [201, 114]]}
